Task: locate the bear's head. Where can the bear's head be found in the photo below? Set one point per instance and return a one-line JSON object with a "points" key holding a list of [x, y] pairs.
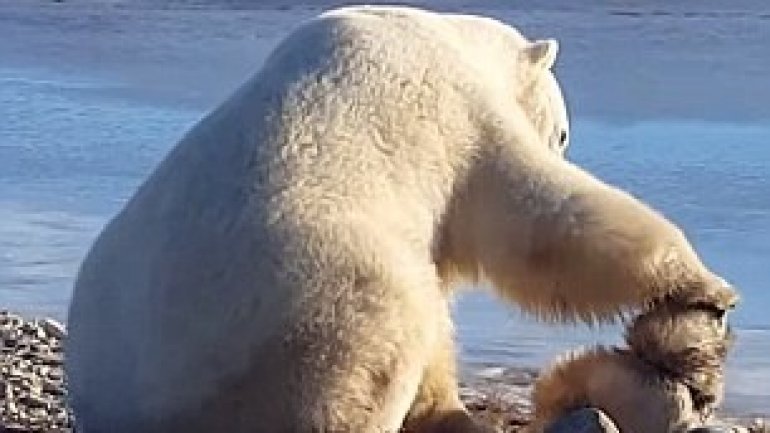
{"points": [[518, 69], [541, 97]]}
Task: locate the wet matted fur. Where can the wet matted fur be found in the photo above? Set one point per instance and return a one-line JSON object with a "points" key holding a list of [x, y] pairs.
{"points": [[669, 379]]}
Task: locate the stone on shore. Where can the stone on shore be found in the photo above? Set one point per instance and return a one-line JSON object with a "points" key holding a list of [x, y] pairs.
{"points": [[586, 420]]}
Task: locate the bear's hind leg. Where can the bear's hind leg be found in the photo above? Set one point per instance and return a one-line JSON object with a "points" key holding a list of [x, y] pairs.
{"points": [[356, 365], [437, 407]]}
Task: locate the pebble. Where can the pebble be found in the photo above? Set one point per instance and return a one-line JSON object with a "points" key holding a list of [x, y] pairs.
{"points": [[53, 329], [586, 420], [711, 429]]}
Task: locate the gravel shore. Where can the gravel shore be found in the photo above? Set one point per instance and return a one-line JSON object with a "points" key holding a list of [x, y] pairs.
{"points": [[33, 388]]}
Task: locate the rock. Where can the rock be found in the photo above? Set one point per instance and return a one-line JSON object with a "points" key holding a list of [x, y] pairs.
{"points": [[711, 429], [490, 373], [759, 425], [53, 328], [50, 359], [586, 420], [33, 401]]}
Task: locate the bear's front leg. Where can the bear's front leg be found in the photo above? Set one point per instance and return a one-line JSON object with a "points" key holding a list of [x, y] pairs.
{"points": [[564, 245], [437, 408]]}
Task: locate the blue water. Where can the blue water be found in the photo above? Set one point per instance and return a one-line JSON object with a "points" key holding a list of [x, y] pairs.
{"points": [[72, 150], [70, 155]]}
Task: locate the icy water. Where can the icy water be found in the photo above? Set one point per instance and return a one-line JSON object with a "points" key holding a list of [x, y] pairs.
{"points": [[72, 150]]}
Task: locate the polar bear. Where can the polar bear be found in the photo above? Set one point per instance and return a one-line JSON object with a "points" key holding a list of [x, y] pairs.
{"points": [[289, 266]]}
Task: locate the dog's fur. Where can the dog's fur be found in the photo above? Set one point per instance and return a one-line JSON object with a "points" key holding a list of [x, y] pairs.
{"points": [[669, 379]]}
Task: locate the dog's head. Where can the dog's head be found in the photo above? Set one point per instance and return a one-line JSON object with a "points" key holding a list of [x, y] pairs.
{"points": [[686, 343]]}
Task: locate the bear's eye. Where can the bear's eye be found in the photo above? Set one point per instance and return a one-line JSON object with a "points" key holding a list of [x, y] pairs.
{"points": [[563, 138]]}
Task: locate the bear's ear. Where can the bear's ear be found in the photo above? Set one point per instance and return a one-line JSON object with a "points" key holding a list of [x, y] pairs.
{"points": [[542, 53]]}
